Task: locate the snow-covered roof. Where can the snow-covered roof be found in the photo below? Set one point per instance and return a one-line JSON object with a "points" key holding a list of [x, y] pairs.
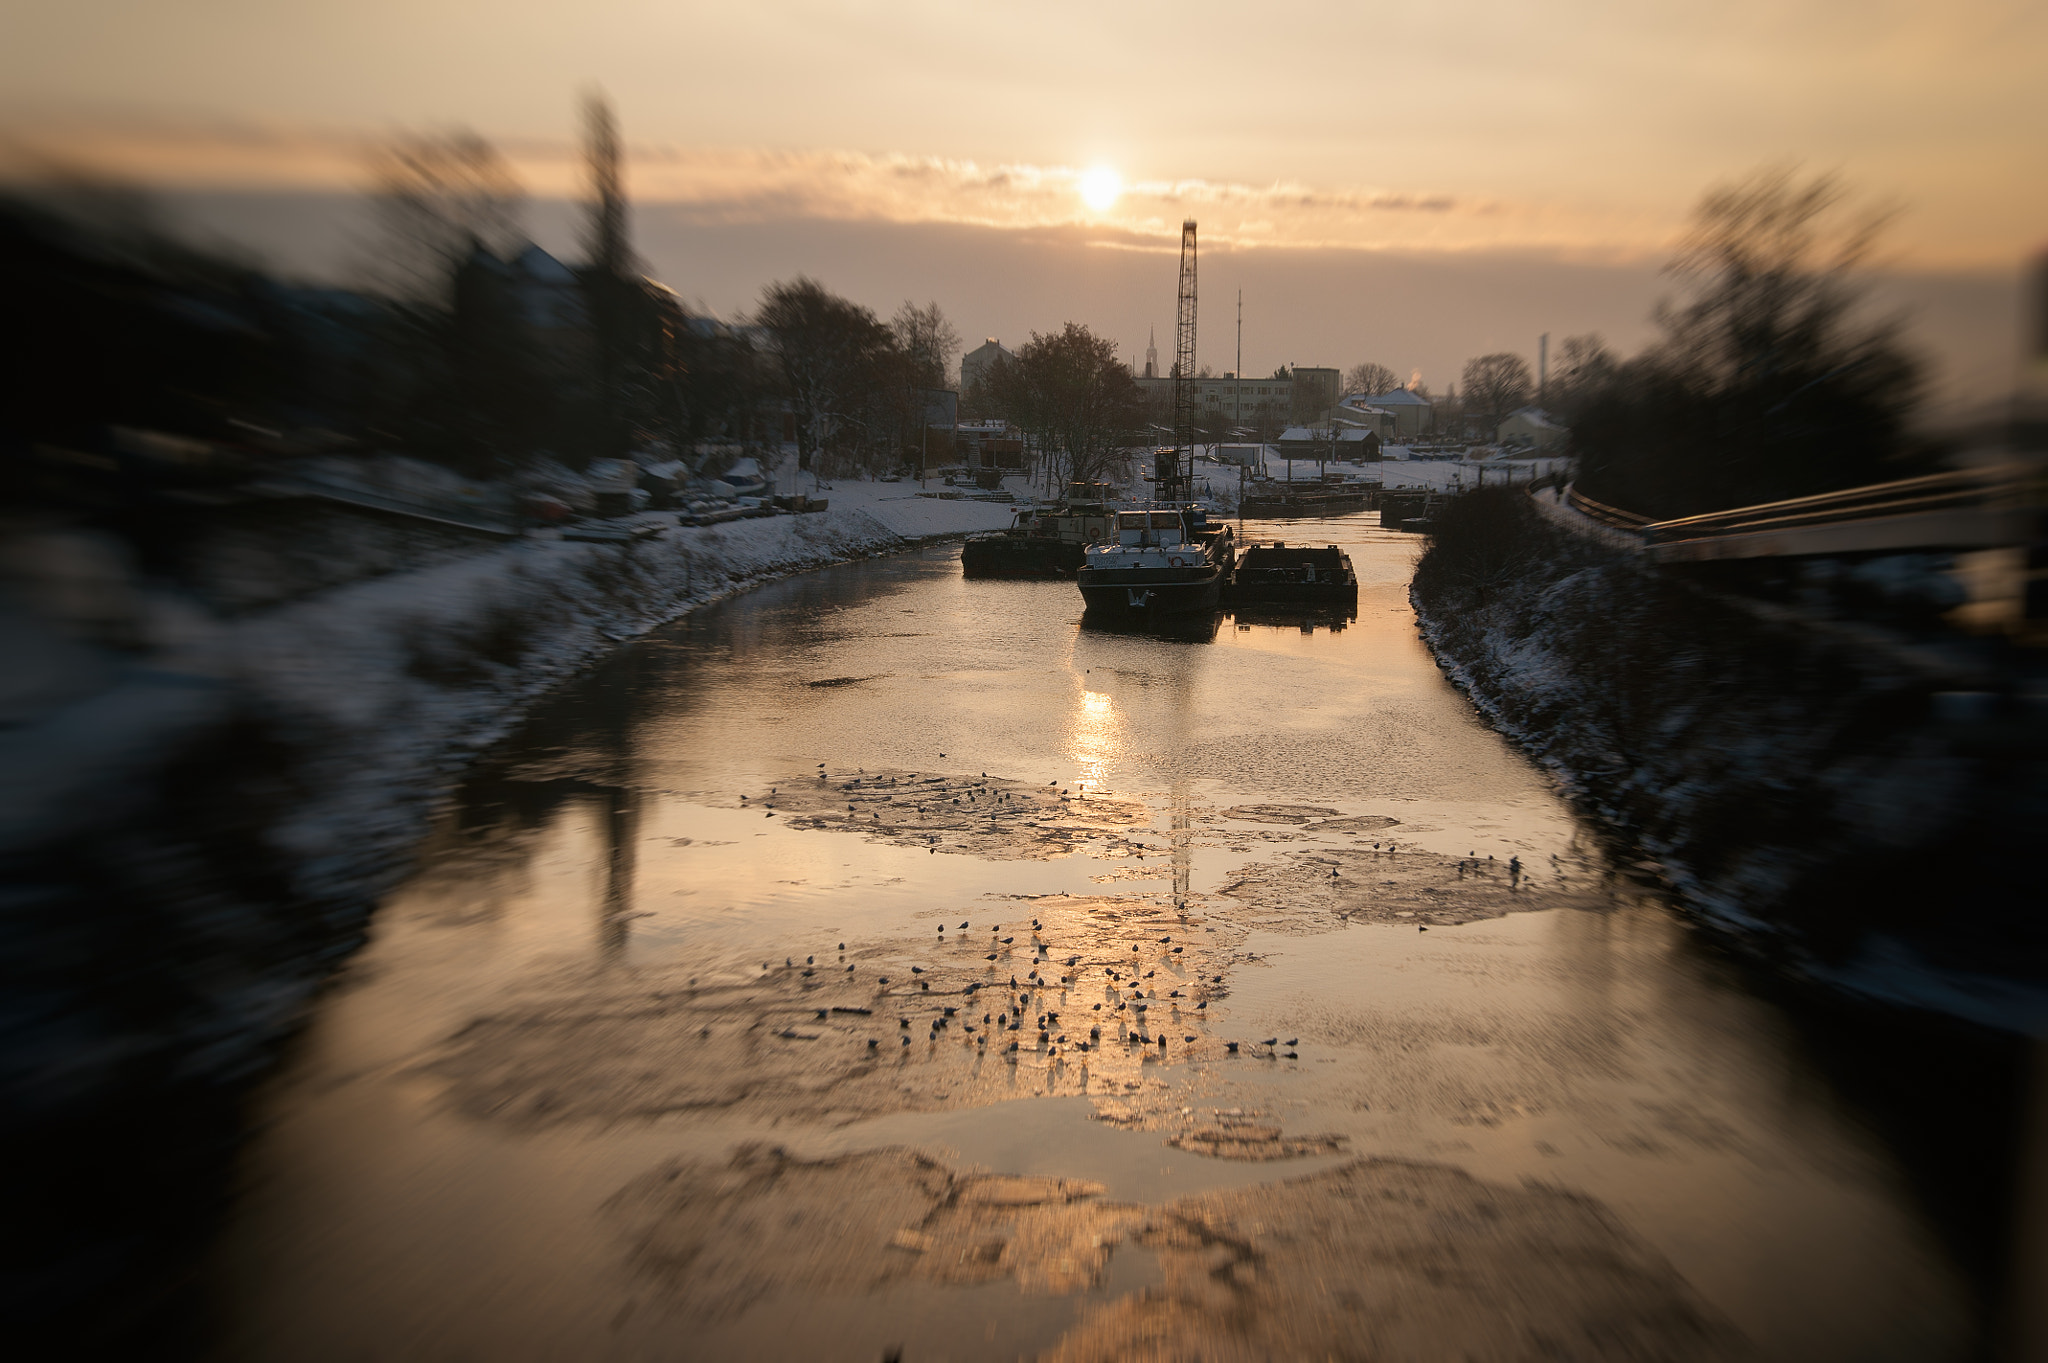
{"points": [[1536, 416], [543, 267], [1399, 397]]}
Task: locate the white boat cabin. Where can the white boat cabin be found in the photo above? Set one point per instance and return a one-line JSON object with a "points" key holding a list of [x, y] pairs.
{"points": [[1150, 529]]}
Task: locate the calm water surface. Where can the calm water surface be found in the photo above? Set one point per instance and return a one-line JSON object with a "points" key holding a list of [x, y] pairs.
{"points": [[1602, 1050]]}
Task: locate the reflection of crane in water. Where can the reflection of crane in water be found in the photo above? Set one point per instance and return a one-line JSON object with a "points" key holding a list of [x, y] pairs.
{"points": [[1099, 737]]}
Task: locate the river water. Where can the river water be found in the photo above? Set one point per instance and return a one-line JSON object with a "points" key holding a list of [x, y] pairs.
{"points": [[582, 984]]}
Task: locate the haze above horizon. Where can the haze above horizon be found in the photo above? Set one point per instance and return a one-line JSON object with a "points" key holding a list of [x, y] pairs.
{"points": [[1581, 132]]}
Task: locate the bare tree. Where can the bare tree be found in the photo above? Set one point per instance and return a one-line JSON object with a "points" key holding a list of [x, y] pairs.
{"points": [[1496, 385], [1370, 379], [438, 197], [927, 340], [834, 356], [1073, 392], [1584, 364], [1767, 383]]}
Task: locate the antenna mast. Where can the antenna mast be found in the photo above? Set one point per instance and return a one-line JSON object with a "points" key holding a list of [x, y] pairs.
{"points": [[1171, 478]]}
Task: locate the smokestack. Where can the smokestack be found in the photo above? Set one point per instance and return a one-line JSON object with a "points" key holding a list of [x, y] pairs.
{"points": [[1543, 368]]}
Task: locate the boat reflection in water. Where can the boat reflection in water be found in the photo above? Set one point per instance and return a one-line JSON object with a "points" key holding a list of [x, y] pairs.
{"points": [[1183, 627], [1280, 616]]}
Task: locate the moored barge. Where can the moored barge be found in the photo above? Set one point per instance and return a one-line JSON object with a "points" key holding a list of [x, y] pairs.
{"points": [[1161, 561]]}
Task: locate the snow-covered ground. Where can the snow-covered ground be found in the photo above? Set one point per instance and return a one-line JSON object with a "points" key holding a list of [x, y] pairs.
{"points": [[385, 684], [1397, 472]]}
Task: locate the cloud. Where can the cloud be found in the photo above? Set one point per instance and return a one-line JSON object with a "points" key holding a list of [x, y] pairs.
{"points": [[737, 185]]}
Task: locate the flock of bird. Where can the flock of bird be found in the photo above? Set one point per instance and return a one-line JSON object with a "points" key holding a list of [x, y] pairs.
{"points": [[1126, 1002], [1128, 1005]]}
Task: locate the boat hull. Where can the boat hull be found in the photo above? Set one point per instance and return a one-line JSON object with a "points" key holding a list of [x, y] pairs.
{"points": [[1020, 556], [1148, 592], [1304, 506]]}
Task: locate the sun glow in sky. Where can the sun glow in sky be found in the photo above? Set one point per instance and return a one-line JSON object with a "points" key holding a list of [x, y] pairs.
{"points": [[1491, 142], [1100, 187], [1572, 125]]}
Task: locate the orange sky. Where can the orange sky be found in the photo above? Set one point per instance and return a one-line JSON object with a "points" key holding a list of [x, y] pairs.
{"points": [[1585, 128], [1411, 184]]}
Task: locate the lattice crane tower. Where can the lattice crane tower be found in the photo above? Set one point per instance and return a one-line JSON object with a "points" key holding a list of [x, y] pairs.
{"points": [[1173, 478]]}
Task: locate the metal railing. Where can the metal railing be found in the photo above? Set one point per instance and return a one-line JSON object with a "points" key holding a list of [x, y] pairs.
{"points": [[1997, 486], [1612, 517]]}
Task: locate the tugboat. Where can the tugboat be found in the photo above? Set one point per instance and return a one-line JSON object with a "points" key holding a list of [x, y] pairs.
{"points": [[1043, 542], [1163, 560]]}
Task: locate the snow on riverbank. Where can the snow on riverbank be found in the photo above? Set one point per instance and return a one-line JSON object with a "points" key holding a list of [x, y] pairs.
{"points": [[197, 813], [1797, 784], [392, 681]]}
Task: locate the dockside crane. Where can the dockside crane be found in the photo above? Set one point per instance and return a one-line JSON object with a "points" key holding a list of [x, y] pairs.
{"points": [[1172, 470]]}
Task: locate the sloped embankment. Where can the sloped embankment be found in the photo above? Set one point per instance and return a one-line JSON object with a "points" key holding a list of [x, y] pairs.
{"points": [[1794, 786], [190, 849]]}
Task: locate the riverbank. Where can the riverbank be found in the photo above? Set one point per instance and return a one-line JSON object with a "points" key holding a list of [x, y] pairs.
{"points": [[195, 840], [1813, 793]]}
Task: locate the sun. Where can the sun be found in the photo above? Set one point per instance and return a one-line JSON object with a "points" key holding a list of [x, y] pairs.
{"points": [[1100, 187]]}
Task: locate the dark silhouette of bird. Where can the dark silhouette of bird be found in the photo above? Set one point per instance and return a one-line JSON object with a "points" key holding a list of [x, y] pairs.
{"points": [[963, 927], [942, 929], [882, 980], [1202, 1006], [1008, 940], [1270, 1041], [1333, 873], [872, 1043], [990, 957], [809, 959], [906, 1041], [917, 970], [842, 946], [1230, 1046], [1294, 1041]]}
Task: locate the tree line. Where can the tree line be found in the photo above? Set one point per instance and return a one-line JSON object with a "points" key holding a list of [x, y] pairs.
{"points": [[1769, 379]]}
